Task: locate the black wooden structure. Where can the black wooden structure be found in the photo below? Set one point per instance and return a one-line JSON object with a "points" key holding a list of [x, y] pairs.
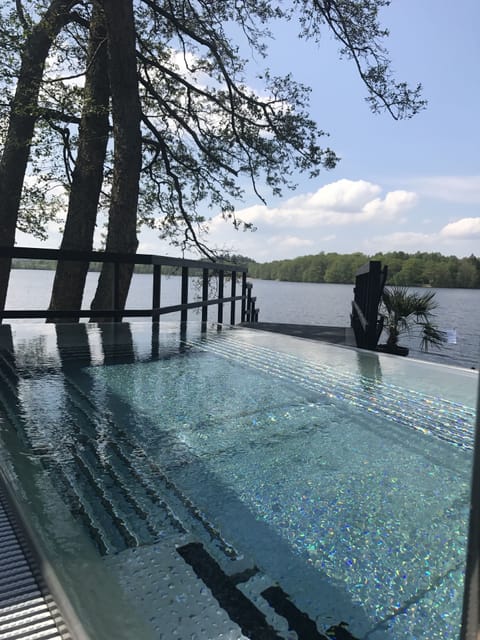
{"points": [[367, 326], [223, 272]]}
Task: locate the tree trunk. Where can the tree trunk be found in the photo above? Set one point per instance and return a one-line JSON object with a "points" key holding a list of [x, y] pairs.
{"points": [[23, 115], [126, 113], [87, 176]]}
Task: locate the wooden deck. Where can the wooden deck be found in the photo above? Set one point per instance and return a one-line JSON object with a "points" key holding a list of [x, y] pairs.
{"points": [[334, 335]]}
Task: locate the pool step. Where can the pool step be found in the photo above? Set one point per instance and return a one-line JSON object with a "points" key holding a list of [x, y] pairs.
{"points": [[148, 485], [123, 498], [9, 404], [135, 471], [119, 487], [81, 507], [143, 483], [107, 505], [7, 367]]}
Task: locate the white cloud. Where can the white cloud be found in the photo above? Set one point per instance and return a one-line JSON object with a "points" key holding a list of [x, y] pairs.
{"points": [[344, 216], [464, 228], [340, 203], [457, 238], [409, 241], [289, 242], [316, 221], [459, 189], [394, 204], [343, 196]]}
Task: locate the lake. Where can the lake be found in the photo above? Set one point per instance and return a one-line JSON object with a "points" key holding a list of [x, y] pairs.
{"points": [[291, 302]]}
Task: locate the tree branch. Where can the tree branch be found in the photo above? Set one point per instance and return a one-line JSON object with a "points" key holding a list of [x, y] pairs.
{"points": [[49, 114], [376, 78], [21, 16]]}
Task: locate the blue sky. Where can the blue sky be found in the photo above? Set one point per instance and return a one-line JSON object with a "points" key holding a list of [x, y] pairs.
{"points": [[410, 185]]}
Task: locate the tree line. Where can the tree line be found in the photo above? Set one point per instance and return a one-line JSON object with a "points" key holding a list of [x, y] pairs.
{"points": [[418, 269], [406, 269], [143, 113], [51, 265]]}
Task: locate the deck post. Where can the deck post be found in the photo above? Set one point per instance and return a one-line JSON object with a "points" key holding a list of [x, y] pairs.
{"points": [[184, 296], [156, 292], [116, 291], [244, 297], [249, 303], [369, 283], [221, 280], [232, 304], [204, 299]]}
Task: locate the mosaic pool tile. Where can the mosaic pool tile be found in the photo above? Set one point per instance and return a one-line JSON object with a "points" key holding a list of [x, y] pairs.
{"points": [[345, 492]]}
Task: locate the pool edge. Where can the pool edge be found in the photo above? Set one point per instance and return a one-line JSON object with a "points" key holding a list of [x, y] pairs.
{"points": [[58, 604]]}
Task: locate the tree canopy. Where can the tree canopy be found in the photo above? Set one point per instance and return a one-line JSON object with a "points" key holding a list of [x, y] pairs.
{"points": [[105, 78], [418, 269]]}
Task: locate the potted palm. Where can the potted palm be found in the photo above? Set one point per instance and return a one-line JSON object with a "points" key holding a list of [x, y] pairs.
{"points": [[402, 310]]}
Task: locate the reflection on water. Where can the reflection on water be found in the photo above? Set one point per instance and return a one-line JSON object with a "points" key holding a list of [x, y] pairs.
{"points": [[370, 369]]}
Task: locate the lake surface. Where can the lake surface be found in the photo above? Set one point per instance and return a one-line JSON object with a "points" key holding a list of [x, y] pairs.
{"points": [[290, 302]]}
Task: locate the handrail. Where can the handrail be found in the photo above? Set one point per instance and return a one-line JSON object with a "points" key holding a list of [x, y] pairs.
{"points": [[248, 311], [33, 253]]}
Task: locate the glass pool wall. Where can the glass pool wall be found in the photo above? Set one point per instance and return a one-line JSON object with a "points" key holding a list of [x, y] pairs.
{"points": [[339, 477]]}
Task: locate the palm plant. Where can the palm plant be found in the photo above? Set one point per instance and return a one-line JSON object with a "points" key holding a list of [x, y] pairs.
{"points": [[402, 309]]}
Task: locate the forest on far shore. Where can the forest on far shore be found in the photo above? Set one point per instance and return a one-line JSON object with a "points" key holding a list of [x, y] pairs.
{"points": [[418, 269]]}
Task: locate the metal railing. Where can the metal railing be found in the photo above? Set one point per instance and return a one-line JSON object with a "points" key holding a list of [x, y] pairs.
{"points": [[206, 269]]}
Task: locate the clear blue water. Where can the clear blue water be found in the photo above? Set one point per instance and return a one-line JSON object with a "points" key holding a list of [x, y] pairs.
{"points": [[342, 476]]}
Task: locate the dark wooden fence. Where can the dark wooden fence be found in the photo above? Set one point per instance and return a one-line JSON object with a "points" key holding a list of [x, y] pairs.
{"points": [[370, 280], [225, 273]]}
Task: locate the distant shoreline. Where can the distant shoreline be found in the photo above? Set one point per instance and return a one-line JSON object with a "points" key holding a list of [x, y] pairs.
{"points": [[50, 265], [169, 271]]}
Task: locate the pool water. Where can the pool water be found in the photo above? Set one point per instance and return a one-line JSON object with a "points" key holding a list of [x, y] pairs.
{"points": [[340, 478]]}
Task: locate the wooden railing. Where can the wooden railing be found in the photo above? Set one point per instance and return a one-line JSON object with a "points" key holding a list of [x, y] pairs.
{"points": [[221, 271], [367, 326]]}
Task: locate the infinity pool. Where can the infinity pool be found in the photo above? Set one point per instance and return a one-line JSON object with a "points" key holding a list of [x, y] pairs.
{"points": [[309, 485]]}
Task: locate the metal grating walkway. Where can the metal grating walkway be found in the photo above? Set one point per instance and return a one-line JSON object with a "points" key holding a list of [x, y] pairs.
{"points": [[27, 612]]}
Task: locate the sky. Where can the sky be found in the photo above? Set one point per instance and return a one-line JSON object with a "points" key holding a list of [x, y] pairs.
{"points": [[411, 185]]}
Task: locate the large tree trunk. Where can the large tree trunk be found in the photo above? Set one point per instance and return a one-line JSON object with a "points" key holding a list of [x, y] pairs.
{"points": [[126, 113], [87, 176], [23, 115]]}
